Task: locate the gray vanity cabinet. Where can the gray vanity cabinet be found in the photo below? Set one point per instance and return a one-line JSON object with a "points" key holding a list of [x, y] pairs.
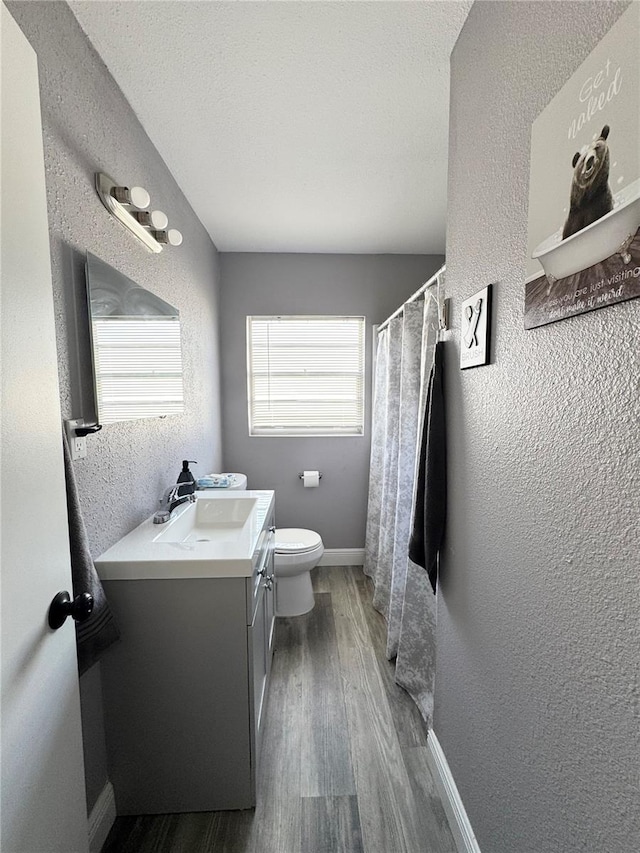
{"points": [[185, 688]]}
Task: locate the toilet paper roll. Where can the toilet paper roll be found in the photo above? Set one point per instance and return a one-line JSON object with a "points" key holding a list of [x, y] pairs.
{"points": [[311, 479]]}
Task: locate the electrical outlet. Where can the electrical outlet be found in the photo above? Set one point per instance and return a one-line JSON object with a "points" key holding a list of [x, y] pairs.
{"points": [[77, 443], [79, 447]]}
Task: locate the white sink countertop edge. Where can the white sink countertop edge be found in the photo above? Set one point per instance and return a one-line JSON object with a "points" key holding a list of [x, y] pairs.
{"points": [[138, 557]]}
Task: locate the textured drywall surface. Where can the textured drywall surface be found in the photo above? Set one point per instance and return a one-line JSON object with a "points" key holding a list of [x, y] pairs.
{"points": [[89, 127], [369, 285], [536, 702]]}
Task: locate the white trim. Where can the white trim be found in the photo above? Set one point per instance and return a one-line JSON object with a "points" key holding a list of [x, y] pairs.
{"points": [[342, 557], [458, 821], [102, 818]]}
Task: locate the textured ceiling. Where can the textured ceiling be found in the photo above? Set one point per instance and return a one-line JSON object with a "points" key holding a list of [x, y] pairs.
{"points": [[293, 126]]}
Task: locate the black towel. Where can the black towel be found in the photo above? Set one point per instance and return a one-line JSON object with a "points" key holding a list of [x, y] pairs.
{"points": [[431, 486], [99, 631]]}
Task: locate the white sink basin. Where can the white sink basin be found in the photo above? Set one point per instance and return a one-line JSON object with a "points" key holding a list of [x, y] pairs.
{"points": [[208, 520], [217, 536]]}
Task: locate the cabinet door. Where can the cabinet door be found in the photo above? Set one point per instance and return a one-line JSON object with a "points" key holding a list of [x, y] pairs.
{"points": [[270, 613], [258, 663], [177, 696], [261, 638]]}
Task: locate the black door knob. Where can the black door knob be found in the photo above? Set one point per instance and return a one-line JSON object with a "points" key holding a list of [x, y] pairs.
{"points": [[62, 606]]}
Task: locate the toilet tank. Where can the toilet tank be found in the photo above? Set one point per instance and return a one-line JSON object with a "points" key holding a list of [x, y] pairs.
{"points": [[238, 481]]}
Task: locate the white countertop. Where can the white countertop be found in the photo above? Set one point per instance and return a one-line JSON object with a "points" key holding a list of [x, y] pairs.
{"points": [[139, 556]]}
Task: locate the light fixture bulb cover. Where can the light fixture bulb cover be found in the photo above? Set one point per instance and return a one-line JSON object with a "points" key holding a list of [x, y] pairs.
{"points": [[152, 219], [158, 220], [140, 198], [173, 237]]}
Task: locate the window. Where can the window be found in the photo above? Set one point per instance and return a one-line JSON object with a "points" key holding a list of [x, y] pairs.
{"points": [[305, 375]]}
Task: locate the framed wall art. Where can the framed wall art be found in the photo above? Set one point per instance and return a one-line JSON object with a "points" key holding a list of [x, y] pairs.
{"points": [[475, 329], [583, 248]]}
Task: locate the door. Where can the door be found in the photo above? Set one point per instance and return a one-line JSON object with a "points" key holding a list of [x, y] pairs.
{"points": [[42, 778]]}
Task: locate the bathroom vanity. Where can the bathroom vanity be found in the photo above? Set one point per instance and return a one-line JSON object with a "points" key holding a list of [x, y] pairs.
{"points": [[185, 688]]}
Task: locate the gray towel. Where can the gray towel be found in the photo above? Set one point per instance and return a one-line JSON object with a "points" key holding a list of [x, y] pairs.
{"points": [[431, 486], [99, 631]]}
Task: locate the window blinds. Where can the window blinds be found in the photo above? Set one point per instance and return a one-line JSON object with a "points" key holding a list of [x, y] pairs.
{"points": [[138, 368], [306, 375]]}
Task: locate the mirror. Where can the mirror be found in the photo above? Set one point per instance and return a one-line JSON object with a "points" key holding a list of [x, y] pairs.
{"points": [[135, 342]]}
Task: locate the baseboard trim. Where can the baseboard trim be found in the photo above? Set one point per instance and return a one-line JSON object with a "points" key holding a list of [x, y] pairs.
{"points": [[102, 818], [342, 557], [458, 820]]}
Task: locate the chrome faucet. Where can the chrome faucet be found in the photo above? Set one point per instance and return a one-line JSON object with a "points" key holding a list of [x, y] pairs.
{"points": [[169, 501]]}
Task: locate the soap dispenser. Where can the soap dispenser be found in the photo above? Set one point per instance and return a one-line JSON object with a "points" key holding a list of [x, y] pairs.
{"points": [[187, 478]]}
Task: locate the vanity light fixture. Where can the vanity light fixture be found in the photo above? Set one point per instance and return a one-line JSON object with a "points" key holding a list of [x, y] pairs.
{"points": [[128, 205]]}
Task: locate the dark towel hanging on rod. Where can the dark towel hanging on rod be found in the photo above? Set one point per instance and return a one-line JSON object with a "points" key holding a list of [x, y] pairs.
{"points": [[431, 487], [99, 631]]}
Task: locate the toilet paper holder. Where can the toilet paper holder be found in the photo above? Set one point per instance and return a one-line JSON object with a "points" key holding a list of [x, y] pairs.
{"points": [[301, 475]]}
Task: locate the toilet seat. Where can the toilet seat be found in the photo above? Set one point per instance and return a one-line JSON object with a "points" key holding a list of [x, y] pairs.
{"points": [[295, 540]]}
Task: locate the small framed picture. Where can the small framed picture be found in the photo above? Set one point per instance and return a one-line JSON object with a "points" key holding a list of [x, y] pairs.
{"points": [[475, 329]]}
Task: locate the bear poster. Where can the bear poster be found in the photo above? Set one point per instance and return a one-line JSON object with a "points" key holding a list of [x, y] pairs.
{"points": [[583, 248]]}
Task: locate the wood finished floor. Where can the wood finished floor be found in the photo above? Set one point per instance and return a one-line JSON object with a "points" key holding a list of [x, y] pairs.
{"points": [[343, 766]]}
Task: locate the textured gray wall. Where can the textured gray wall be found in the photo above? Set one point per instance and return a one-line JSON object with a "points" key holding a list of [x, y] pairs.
{"points": [[89, 127], [370, 285], [536, 701]]}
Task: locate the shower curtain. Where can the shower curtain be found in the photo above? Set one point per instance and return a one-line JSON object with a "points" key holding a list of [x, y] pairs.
{"points": [[402, 592]]}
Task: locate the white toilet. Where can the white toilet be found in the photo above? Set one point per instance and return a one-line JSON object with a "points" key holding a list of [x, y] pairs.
{"points": [[237, 481], [297, 551]]}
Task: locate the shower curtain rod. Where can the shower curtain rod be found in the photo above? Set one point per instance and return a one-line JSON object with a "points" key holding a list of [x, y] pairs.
{"points": [[433, 280]]}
